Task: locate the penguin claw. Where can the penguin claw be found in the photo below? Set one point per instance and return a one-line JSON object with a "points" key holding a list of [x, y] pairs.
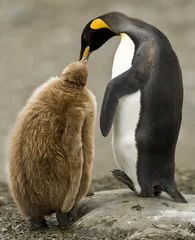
{"points": [[121, 176]]}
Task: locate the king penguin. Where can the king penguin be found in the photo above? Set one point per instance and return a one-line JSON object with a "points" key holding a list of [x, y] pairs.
{"points": [[142, 102]]}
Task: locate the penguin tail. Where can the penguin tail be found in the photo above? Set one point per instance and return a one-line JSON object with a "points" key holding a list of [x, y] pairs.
{"points": [[174, 193]]}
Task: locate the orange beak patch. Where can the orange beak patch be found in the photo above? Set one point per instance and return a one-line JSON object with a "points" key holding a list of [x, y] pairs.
{"points": [[86, 52]]}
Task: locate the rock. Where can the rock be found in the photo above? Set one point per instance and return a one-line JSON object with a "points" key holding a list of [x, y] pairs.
{"points": [[3, 201], [121, 212], [109, 215]]}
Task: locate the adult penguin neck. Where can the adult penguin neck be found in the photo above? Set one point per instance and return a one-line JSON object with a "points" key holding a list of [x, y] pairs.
{"points": [[123, 56], [138, 30]]}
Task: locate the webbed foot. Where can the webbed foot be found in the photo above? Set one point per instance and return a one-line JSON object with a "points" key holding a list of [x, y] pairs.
{"points": [[121, 176], [35, 224], [63, 219], [89, 194]]}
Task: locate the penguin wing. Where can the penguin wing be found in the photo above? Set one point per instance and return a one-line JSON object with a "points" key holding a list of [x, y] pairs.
{"points": [[126, 83]]}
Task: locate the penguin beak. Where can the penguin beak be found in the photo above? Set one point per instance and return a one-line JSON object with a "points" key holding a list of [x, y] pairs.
{"points": [[85, 59], [85, 55]]}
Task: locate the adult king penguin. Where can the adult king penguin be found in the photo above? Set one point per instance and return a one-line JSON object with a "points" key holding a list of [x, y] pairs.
{"points": [[143, 102]]}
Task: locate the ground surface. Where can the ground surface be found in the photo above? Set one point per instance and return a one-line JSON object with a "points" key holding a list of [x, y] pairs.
{"points": [[13, 227]]}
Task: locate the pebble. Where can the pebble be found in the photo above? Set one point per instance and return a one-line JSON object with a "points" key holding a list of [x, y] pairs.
{"points": [[3, 201]]}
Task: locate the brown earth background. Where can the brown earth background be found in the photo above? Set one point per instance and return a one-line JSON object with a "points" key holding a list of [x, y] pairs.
{"points": [[39, 38]]}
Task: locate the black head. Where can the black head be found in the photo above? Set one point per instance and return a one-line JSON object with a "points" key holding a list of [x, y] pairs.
{"points": [[94, 35]]}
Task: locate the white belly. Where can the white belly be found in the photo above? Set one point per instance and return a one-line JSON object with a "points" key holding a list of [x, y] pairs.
{"points": [[127, 116]]}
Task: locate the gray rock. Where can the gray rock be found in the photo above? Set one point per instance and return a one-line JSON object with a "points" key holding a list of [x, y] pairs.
{"points": [[111, 213], [3, 201]]}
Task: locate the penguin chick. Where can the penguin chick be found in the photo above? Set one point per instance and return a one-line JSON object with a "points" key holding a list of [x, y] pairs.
{"points": [[52, 147]]}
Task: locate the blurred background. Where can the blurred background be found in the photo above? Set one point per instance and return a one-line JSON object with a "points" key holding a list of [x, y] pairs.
{"points": [[39, 38]]}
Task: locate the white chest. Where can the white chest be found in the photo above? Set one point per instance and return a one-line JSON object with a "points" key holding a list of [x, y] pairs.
{"points": [[127, 115]]}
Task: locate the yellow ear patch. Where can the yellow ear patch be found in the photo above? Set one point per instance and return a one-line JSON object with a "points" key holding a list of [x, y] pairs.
{"points": [[85, 52], [98, 23]]}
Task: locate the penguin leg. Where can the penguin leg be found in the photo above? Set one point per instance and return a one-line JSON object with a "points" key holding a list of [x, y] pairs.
{"points": [[150, 190], [157, 191], [36, 223], [171, 190], [121, 176], [147, 192]]}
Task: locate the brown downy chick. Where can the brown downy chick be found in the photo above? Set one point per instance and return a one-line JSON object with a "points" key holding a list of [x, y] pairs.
{"points": [[52, 147]]}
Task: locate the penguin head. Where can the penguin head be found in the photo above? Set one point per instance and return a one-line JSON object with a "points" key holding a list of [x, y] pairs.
{"points": [[76, 74], [94, 35]]}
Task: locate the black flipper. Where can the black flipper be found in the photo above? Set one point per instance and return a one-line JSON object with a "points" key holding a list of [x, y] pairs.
{"points": [[126, 83], [109, 106], [174, 193], [121, 176]]}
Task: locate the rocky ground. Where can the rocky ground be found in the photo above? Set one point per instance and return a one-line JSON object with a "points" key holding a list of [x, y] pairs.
{"points": [[13, 227]]}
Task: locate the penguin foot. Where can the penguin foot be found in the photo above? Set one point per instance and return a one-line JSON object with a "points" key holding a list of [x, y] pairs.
{"points": [[63, 219], [147, 192], [89, 194], [71, 216], [171, 190], [174, 193], [150, 191], [121, 176], [157, 191], [35, 224]]}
